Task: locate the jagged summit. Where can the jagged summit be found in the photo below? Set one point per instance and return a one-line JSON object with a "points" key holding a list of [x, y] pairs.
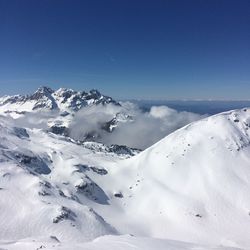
{"points": [[45, 90], [41, 92], [75, 100], [43, 98]]}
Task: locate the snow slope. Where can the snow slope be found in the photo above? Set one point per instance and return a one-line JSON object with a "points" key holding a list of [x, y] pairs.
{"points": [[192, 186], [36, 197]]}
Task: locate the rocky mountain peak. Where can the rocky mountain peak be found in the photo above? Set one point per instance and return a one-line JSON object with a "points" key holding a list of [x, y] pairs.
{"points": [[45, 90], [43, 98], [95, 93], [42, 91]]}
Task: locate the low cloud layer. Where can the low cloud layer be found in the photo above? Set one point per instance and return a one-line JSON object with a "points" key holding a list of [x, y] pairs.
{"points": [[91, 119], [146, 128]]}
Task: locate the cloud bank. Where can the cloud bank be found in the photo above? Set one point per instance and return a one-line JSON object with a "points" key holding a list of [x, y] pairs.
{"points": [[146, 128]]}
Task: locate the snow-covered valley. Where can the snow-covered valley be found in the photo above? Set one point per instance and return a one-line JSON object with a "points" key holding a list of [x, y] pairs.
{"points": [[190, 190]]}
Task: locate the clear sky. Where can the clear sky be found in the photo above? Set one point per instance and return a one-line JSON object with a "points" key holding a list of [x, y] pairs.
{"points": [[158, 49]]}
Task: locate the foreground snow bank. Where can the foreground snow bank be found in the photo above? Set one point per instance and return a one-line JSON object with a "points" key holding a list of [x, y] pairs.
{"points": [[110, 243]]}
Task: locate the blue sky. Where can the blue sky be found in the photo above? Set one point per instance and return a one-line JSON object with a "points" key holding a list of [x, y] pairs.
{"points": [[158, 49]]}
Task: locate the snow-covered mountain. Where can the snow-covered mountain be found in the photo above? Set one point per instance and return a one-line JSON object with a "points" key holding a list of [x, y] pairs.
{"points": [[59, 193], [57, 110], [64, 100], [193, 185]]}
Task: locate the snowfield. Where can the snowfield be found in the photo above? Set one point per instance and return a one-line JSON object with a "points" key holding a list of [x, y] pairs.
{"points": [[191, 190]]}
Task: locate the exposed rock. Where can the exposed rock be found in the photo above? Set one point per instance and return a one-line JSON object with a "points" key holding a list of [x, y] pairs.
{"points": [[64, 213], [118, 195]]}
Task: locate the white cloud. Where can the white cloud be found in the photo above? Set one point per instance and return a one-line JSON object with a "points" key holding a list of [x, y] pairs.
{"points": [[146, 129]]}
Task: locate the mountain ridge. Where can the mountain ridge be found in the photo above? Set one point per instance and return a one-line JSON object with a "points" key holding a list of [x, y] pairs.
{"points": [[63, 99]]}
